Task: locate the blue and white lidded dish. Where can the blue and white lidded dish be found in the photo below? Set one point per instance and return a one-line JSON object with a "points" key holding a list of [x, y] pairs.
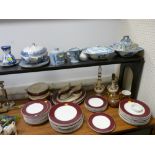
{"points": [[8, 58], [34, 54], [126, 47]]}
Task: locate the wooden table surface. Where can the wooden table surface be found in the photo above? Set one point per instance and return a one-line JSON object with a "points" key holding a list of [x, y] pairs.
{"points": [[45, 129]]}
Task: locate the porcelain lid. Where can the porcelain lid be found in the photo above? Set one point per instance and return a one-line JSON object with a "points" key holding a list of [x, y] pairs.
{"points": [[4, 48], [34, 49]]}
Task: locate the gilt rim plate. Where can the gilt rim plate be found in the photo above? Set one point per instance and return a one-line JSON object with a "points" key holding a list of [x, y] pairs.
{"points": [[108, 120], [43, 107], [100, 100], [146, 113], [57, 120]]}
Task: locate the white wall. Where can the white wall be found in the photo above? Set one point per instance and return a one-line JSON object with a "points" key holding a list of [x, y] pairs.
{"points": [[58, 33], [143, 32]]}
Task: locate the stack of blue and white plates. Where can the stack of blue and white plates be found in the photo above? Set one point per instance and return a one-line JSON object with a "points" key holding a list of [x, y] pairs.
{"points": [[66, 117], [134, 112]]}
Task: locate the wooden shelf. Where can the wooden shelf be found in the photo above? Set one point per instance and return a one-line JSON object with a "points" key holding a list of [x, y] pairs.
{"points": [[45, 129], [116, 60], [136, 65]]}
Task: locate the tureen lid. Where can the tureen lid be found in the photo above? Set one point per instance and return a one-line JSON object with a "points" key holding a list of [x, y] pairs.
{"points": [[74, 49], [126, 41], [34, 49]]}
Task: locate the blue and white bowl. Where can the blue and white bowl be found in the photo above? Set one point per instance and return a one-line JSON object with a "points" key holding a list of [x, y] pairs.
{"points": [[99, 52]]}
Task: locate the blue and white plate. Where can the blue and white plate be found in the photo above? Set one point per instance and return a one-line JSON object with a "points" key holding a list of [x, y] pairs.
{"points": [[24, 64], [9, 65]]}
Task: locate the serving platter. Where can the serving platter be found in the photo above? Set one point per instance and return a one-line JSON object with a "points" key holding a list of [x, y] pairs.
{"points": [[77, 100], [24, 64]]}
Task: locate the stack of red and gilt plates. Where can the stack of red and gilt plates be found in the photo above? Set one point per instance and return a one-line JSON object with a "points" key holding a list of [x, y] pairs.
{"points": [[101, 123], [66, 117], [38, 91], [96, 103], [36, 112], [134, 112]]}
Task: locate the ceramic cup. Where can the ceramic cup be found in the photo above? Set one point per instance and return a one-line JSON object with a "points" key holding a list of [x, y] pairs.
{"points": [[73, 55], [125, 94]]}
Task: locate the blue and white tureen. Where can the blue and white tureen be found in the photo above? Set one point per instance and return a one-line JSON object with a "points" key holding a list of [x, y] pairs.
{"points": [[34, 54], [126, 47]]}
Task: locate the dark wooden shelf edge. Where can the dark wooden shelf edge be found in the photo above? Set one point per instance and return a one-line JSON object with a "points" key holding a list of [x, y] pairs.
{"points": [[115, 60]]}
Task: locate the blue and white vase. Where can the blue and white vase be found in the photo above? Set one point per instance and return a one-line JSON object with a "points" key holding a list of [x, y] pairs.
{"points": [[8, 58]]}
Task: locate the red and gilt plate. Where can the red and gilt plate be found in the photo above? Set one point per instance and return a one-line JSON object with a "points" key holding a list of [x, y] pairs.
{"points": [[36, 108], [134, 108], [96, 103], [65, 114], [101, 123]]}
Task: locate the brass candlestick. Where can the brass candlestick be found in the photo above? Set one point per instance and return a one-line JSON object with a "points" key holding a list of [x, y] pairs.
{"points": [[99, 87], [7, 104], [113, 92]]}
